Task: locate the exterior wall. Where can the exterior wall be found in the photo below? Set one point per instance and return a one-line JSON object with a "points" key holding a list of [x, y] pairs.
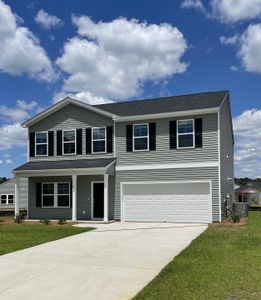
{"points": [[83, 198], [8, 187], [209, 151], [226, 158], [71, 117], [169, 174]]}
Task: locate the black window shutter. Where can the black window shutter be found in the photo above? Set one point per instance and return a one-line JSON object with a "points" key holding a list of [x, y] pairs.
{"points": [[129, 132], [32, 144], [38, 194], [109, 139], [79, 140], [173, 134], [152, 134], [88, 140], [50, 143], [59, 142], [198, 133], [71, 194]]}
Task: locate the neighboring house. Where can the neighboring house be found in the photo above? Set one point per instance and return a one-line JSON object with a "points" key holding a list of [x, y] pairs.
{"points": [[7, 194], [165, 159], [250, 193]]}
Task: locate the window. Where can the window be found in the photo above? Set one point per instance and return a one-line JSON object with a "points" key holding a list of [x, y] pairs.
{"points": [[140, 137], [99, 140], [56, 194], [41, 142], [69, 141], [185, 134], [7, 199]]}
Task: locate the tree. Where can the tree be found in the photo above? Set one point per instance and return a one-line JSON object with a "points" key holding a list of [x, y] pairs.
{"points": [[3, 179]]}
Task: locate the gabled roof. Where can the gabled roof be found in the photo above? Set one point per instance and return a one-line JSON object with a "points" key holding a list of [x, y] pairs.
{"points": [[166, 104], [200, 102], [66, 101]]}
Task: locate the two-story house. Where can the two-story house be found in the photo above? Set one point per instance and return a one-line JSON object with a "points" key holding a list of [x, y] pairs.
{"points": [[166, 159]]}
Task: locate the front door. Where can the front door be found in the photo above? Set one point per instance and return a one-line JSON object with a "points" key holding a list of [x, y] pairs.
{"points": [[98, 200]]}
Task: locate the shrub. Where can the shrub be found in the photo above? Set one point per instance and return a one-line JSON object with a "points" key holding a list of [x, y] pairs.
{"points": [[19, 218], [45, 221], [62, 221], [235, 216]]}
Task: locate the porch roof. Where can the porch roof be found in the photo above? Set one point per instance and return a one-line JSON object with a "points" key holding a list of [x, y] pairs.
{"points": [[99, 163]]}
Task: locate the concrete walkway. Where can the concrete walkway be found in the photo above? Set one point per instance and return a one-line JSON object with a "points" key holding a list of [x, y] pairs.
{"points": [[113, 262]]}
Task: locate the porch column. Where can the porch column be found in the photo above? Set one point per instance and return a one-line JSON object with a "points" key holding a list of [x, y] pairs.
{"points": [[74, 198], [17, 195], [106, 198]]}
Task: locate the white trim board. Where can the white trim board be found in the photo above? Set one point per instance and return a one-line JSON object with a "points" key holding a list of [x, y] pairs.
{"points": [[168, 166]]}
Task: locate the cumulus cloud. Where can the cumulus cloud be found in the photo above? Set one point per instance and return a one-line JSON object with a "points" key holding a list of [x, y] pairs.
{"points": [[248, 143], [8, 161], [228, 40], [112, 60], [47, 20], [12, 135], [86, 97], [196, 4], [20, 50], [19, 112]]}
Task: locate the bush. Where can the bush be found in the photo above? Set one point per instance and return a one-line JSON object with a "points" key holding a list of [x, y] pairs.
{"points": [[19, 218], [62, 221], [235, 216], [45, 221]]}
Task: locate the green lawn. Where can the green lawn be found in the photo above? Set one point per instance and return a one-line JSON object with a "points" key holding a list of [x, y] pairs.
{"points": [[15, 237], [223, 263]]}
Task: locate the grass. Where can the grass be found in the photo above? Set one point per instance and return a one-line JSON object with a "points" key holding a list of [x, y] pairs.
{"points": [[223, 263], [15, 237]]}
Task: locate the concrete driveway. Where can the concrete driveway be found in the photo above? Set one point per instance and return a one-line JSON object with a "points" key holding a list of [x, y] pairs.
{"points": [[113, 262]]}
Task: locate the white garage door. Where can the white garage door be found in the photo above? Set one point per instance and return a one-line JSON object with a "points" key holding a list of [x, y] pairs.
{"points": [[167, 202]]}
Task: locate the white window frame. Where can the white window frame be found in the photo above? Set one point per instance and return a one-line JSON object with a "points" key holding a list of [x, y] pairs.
{"points": [[7, 199], [67, 142], [186, 133], [139, 137], [47, 143], [99, 140], [55, 195]]}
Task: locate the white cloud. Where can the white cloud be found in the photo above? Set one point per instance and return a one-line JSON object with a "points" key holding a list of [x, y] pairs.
{"points": [[248, 143], [234, 68], [46, 20], [196, 4], [228, 40], [17, 113], [8, 161], [20, 51], [231, 11], [86, 97], [112, 60], [12, 135], [1, 161]]}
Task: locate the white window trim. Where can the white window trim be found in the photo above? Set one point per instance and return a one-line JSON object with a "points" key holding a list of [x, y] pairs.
{"points": [[55, 195], [67, 142], [97, 140], [47, 143], [7, 199], [137, 137], [186, 133]]}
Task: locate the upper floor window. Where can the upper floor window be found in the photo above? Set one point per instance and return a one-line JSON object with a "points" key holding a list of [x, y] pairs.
{"points": [[185, 134], [41, 143], [69, 141], [7, 199], [99, 139], [140, 137]]}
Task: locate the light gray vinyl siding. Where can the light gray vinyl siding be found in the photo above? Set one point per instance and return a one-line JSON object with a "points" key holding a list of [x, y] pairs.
{"points": [[83, 198], [209, 151], [210, 173], [8, 188], [71, 117], [226, 157]]}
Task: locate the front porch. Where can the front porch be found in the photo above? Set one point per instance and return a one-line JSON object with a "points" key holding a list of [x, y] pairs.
{"points": [[83, 193]]}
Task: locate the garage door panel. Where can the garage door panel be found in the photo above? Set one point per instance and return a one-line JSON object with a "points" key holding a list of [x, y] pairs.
{"points": [[173, 202]]}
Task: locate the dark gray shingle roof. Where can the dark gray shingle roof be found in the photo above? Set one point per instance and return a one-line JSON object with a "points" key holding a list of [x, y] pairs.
{"points": [[166, 104], [66, 164]]}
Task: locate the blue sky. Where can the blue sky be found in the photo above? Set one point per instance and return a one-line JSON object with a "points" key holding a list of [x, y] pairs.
{"points": [[96, 52]]}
